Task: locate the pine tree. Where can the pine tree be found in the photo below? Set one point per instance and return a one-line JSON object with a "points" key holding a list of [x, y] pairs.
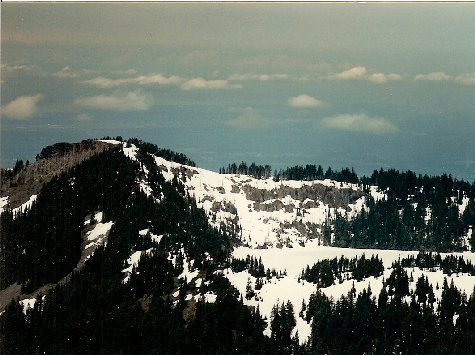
{"points": [[249, 290]]}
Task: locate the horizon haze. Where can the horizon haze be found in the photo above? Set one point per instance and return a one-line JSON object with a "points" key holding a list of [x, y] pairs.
{"points": [[366, 86]]}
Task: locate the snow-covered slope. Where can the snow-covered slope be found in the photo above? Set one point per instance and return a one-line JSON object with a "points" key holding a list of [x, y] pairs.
{"points": [[269, 213], [281, 223], [278, 222]]}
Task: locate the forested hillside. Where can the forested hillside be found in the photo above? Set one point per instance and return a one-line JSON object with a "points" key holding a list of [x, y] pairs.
{"points": [[135, 250]]}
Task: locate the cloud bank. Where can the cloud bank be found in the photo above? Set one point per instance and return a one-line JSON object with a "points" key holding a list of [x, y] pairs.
{"points": [[359, 123], [435, 76], [350, 74], [258, 77], [200, 83], [380, 78], [132, 101], [361, 73], [304, 101], [153, 79], [468, 79], [22, 108]]}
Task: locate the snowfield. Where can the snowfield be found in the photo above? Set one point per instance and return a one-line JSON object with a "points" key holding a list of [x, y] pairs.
{"points": [[278, 224], [294, 260], [226, 196], [276, 230]]}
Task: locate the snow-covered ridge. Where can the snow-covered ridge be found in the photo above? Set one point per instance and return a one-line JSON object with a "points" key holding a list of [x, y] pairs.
{"points": [[276, 221], [269, 213]]}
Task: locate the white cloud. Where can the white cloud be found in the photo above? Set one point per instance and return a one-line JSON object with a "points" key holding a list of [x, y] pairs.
{"points": [[361, 73], [250, 119], [22, 108], [153, 79], [200, 83], [380, 78], [435, 76], [12, 68], [350, 74], [132, 101], [468, 79], [304, 101], [259, 77], [157, 79], [66, 73], [359, 123]]}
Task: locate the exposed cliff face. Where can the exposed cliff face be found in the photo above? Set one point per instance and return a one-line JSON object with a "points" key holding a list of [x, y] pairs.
{"points": [[266, 213], [309, 195], [52, 160]]}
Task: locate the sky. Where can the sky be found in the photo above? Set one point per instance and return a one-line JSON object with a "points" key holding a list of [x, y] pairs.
{"points": [[372, 85]]}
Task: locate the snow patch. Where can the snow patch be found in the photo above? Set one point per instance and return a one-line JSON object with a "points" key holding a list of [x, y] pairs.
{"points": [[97, 235], [208, 297], [275, 291], [145, 188], [133, 261], [130, 152], [463, 206], [28, 303], [156, 238], [25, 206], [110, 141], [3, 203]]}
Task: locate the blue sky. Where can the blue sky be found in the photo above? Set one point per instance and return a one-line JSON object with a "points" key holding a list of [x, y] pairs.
{"points": [[345, 85]]}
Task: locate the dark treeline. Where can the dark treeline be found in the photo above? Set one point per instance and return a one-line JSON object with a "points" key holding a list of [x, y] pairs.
{"points": [[313, 172], [254, 170], [419, 212], [325, 272], [94, 311], [256, 268], [393, 182], [399, 322], [419, 223], [8, 174], [43, 243], [450, 264], [253, 265]]}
